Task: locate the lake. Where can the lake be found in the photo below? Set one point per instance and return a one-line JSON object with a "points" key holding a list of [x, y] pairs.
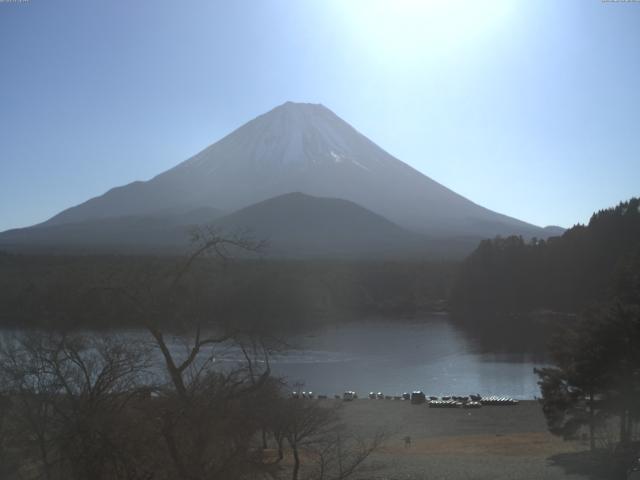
{"points": [[397, 356], [389, 356]]}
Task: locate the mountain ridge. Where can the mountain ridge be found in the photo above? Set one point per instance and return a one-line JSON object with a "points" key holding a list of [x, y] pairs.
{"points": [[306, 148], [295, 147], [293, 225]]}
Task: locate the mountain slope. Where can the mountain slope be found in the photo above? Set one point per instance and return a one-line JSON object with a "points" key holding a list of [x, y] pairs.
{"points": [[166, 230], [293, 225], [303, 148], [296, 224]]}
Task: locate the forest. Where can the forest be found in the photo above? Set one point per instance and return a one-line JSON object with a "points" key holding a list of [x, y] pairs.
{"points": [[587, 264], [76, 292], [580, 294]]}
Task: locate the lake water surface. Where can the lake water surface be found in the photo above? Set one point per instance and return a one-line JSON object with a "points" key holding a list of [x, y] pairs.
{"points": [[390, 356], [396, 356]]}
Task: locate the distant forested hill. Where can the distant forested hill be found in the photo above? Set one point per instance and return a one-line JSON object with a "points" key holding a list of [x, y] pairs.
{"points": [[586, 264], [77, 291]]}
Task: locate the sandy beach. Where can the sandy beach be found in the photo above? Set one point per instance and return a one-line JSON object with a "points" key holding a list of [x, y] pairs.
{"points": [[493, 442]]}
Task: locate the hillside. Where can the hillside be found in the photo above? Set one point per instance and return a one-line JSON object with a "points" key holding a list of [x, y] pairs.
{"points": [[567, 273], [296, 224], [166, 231]]}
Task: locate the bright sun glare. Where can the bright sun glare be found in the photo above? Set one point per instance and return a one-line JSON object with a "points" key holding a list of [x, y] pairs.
{"points": [[398, 30]]}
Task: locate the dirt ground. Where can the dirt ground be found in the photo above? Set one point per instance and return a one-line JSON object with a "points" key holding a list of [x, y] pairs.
{"points": [[498, 442]]}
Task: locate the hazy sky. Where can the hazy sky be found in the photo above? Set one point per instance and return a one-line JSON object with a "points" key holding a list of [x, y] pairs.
{"points": [[529, 108]]}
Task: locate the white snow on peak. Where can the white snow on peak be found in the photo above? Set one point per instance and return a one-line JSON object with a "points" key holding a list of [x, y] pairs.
{"points": [[358, 164], [293, 135]]}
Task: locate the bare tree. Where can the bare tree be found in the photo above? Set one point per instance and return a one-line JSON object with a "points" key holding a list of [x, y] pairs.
{"points": [[67, 396], [305, 422], [8, 464], [85, 407], [341, 454], [205, 414], [321, 446]]}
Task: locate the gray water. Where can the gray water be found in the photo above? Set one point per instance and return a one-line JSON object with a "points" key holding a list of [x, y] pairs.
{"points": [[394, 357], [389, 356]]}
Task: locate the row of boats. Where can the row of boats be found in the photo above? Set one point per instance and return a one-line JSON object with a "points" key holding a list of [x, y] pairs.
{"points": [[417, 397], [449, 401], [453, 404], [499, 401]]}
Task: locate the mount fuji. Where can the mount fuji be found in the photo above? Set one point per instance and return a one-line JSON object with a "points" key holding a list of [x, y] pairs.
{"points": [[296, 147]]}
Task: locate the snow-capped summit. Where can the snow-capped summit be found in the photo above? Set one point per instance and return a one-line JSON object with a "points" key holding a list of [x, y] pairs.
{"points": [[302, 147], [293, 135]]}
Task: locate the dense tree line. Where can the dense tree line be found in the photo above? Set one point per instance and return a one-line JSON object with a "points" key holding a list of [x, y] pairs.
{"points": [[567, 273], [65, 291], [591, 388]]}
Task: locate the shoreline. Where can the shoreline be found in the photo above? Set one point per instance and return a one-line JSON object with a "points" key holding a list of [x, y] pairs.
{"points": [[492, 442]]}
